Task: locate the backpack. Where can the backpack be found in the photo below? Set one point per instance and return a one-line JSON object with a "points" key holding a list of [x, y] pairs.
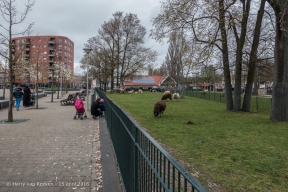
{"points": [[78, 104]]}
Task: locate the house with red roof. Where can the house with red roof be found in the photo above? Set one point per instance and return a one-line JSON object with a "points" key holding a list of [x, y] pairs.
{"points": [[149, 82]]}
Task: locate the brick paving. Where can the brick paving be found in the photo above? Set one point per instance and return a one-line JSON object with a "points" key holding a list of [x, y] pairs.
{"points": [[50, 151]]}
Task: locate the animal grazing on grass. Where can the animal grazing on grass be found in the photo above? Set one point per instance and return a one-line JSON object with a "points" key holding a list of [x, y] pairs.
{"points": [[166, 92], [140, 91], [159, 108], [152, 90], [166, 96], [131, 91], [176, 96]]}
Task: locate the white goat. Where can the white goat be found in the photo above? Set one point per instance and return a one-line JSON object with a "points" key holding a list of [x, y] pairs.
{"points": [[131, 91], [140, 91]]}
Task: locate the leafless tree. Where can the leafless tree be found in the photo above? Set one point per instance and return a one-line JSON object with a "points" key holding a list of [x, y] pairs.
{"points": [[120, 44], [279, 111], [10, 14]]}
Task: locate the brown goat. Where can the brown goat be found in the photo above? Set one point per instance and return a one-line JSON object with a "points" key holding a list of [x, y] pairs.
{"points": [[166, 96], [159, 108]]}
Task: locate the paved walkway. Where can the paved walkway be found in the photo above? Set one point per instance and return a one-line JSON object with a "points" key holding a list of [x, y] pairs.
{"points": [[50, 151]]}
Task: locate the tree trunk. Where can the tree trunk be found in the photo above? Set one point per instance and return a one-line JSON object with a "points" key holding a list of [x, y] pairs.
{"points": [[225, 58], [279, 110], [239, 55], [253, 59]]}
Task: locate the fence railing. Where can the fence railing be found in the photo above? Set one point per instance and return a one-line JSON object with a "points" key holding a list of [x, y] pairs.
{"points": [[260, 104], [143, 163]]}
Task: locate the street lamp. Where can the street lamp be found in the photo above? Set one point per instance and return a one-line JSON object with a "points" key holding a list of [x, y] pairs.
{"points": [[87, 51]]}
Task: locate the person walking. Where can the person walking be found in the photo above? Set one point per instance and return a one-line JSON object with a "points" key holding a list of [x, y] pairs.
{"points": [[18, 97], [26, 96]]}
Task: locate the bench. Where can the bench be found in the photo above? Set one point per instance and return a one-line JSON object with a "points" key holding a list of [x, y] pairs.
{"points": [[69, 101], [4, 104]]}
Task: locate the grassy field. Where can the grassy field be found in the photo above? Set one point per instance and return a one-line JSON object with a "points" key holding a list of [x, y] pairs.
{"points": [[236, 151]]}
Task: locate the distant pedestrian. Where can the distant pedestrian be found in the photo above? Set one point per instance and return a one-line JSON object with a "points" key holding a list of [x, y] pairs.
{"points": [[18, 97], [13, 88], [26, 96]]}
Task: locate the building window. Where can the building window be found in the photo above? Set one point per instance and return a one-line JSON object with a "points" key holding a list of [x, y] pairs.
{"points": [[39, 59], [60, 47], [45, 46], [39, 46], [39, 40], [44, 63], [45, 52], [45, 39], [33, 40], [33, 46], [44, 59], [33, 52], [59, 52], [60, 40]]}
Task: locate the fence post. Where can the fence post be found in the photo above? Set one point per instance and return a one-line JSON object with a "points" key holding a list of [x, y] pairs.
{"points": [[136, 160]]}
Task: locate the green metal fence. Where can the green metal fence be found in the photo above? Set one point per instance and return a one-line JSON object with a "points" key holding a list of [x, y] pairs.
{"points": [[260, 104], [143, 163]]}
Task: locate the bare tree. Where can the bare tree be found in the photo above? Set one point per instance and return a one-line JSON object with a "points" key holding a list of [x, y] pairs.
{"points": [[119, 46], [279, 111], [9, 12]]}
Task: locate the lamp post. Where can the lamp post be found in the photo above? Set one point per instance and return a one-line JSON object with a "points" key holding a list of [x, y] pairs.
{"points": [[87, 51]]}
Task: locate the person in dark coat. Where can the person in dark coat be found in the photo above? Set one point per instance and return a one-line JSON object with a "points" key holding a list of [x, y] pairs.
{"points": [[26, 96], [18, 97], [95, 109]]}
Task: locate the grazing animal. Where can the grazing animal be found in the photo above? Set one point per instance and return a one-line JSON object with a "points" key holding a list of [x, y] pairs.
{"points": [[131, 91], [166, 96], [159, 108], [152, 90], [140, 91], [166, 92], [176, 96]]}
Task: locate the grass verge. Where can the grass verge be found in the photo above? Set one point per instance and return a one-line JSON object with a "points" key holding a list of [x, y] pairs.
{"points": [[237, 151]]}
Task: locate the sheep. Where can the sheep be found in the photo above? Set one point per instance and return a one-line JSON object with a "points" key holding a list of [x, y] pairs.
{"points": [[152, 90], [166, 92], [140, 91], [176, 96], [166, 96], [159, 108], [131, 91]]}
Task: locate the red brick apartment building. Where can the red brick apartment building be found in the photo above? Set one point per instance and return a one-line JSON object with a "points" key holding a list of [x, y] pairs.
{"points": [[44, 51]]}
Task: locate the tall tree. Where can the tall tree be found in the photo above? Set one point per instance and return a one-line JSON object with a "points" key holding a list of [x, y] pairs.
{"points": [[9, 12], [121, 42], [279, 110], [253, 58]]}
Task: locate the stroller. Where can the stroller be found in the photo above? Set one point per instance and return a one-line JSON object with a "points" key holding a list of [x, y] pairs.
{"points": [[80, 110]]}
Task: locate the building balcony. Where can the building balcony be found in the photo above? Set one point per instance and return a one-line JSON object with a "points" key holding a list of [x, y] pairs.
{"points": [[26, 55], [27, 49], [52, 42], [51, 48], [51, 54], [27, 42]]}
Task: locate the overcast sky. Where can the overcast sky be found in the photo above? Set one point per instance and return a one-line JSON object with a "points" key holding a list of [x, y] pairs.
{"points": [[80, 19]]}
